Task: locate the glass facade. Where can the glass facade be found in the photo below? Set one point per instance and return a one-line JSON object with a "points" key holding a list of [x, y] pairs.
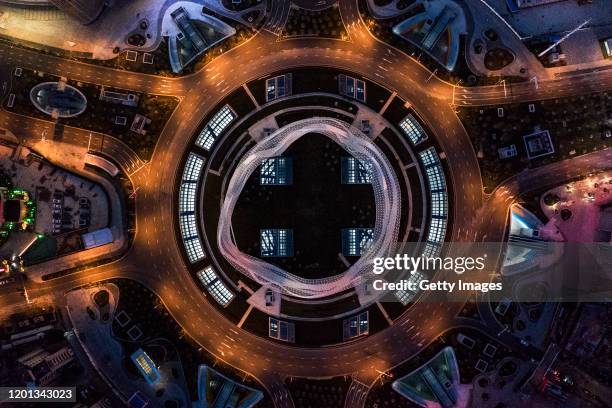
{"points": [[439, 201], [352, 87], [281, 330], [355, 241], [356, 326], [215, 287], [278, 87], [355, 171], [276, 171], [187, 204], [217, 124], [276, 242], [413, 129]]}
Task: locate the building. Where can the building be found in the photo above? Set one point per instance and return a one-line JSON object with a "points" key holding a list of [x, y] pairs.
{"points": [[44, 368], [85, 11], [435, 30], [58, 99], [435, 382], [146, 366], [217, 391], [121, 98], [538, 144]]}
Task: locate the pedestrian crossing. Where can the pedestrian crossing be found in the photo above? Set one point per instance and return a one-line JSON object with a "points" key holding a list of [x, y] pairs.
{"points": [[41, 14]]}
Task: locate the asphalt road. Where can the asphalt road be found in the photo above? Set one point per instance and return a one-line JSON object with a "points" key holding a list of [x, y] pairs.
{"points": [[155, 258]]}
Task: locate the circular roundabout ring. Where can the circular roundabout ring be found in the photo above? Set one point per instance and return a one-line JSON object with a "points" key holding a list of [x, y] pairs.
{"points": [[226, 159]]}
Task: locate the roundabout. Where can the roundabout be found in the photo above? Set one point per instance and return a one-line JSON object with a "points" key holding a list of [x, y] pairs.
{"points": [[298, 157], [168, 231], [223, 205]]}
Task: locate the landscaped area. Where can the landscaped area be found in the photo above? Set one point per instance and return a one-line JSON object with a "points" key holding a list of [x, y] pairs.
{"points": [[104, 116], [576, 126], [146, 311], [309, 23]]}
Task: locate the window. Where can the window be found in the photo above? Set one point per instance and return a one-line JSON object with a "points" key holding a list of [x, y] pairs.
{"points": [[215, 286], [352, 87], [437, 230], [193, 167], [193, 246], [429, 157], [355, 241], [438, 204], [276, 171], [355, 171], [278, 87], [187, 200], [281, 330], [217, 124], [187, 197], [276, 242], [191, 239], [412, 128], [188, 226], [355, 326], [404, 297]]}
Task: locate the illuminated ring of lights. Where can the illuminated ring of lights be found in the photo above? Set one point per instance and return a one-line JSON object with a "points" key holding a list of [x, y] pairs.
{"points": [[387, 198]]}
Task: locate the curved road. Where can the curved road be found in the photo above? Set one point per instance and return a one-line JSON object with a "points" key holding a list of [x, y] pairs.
{"points": [[155, 258]]}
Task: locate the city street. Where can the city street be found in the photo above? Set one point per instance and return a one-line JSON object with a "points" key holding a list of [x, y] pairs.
{"points": [[155, 257]]}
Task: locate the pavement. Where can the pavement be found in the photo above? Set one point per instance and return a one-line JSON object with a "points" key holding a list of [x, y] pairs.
{"points": [[155, 258]]}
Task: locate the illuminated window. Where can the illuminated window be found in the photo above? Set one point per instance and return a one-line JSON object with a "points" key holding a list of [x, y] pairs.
{"points": [[217, 289], [439, 201], [193, 167], [404, 297], [276, 171], [217, 124], [413, 129], [355, 241], [281, 330], [278, 87], [193, 246], [146, 366], [187, 197], [276, 242], [191, 239], [429, 157], [439, 204], [355, 326], [437, 229], [352, 87], [355, 171]]}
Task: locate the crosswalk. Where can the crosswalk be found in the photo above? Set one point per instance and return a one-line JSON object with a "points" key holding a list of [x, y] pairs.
{"points": [[277, 16], [41, 14]]}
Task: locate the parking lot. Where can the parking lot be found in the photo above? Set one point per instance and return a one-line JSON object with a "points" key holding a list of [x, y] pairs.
{"points": [[65, 202]]}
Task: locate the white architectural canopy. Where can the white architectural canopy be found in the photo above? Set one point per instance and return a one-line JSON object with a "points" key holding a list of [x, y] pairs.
{"points": [[387, 197]]}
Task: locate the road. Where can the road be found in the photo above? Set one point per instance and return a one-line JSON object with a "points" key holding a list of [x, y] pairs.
{"points": [[155, 257]]}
